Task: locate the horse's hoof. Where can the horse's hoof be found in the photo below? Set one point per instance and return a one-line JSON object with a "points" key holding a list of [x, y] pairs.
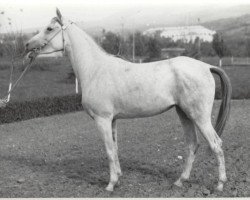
{"points": [[109, 188], [219, 187], [178, 183]]}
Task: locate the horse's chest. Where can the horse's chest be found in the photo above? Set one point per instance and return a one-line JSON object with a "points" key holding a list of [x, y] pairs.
{"points": [[97, 102]]}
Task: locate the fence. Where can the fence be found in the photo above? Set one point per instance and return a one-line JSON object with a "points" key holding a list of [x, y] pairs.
{"points": [[228, 61]]}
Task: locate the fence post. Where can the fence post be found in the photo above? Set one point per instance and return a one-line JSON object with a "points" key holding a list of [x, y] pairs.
{"points": [[10, 86], [76, 83], [220, 62]]}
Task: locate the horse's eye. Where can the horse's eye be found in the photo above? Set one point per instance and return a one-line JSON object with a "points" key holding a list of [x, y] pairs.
{"points": [[49, 29]]}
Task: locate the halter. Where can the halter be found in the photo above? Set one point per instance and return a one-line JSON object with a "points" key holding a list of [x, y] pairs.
{"points": [[63, 28]]}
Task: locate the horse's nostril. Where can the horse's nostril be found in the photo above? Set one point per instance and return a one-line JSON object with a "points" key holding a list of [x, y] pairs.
{"points": [[27, 44]]}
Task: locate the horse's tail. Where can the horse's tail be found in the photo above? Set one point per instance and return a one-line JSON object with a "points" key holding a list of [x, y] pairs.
{"points": [[226, 91]]}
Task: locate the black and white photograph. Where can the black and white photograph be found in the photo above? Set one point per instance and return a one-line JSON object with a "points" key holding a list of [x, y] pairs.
{"points": [[124, 99]]}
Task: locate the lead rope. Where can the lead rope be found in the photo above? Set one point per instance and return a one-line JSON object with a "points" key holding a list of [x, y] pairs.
{"points": [[6, 98], [10, 81], [11, 73]]}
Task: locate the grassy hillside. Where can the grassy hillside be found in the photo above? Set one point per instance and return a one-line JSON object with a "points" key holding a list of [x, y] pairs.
{"points": [[235, 32], [227, 25]]}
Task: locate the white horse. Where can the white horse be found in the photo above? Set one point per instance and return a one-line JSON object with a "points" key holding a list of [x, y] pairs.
{"points": [[113, 88]]}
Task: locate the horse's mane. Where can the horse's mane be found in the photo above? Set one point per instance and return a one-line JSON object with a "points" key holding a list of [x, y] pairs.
{"points": [[91, 41], [95, 46]]}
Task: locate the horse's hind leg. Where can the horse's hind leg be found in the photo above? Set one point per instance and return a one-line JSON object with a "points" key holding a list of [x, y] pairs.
{"points": [[191, 138], [215, 143], [201, 116]]}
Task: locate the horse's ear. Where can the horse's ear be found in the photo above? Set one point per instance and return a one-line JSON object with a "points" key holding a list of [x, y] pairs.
{"points": [[58, 13]]}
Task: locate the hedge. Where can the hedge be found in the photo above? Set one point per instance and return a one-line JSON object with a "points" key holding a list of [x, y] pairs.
{"points": [[18, 111], [42, 107]]}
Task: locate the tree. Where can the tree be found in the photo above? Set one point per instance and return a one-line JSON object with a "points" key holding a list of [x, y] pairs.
{"points": [[153, 48], [248, 47], [219, 47], [192, 49], [12, 42], [197, 46], [111, 43], [207, 49], [140, 43]]}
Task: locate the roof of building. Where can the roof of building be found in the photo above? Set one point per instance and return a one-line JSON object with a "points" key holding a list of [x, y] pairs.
{"points": [[191, 30]]}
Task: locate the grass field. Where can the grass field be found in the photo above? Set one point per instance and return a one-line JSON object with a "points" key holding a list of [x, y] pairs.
{"points": [[66, 158], [50, 77]]}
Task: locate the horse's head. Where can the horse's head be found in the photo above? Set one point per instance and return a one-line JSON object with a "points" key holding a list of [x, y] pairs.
{"points": [[50, 39]]}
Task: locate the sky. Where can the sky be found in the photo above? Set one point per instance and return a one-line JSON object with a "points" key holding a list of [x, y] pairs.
{"points": [[25, 14]]}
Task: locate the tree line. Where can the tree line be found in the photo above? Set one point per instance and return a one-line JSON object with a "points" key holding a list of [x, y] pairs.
{"points": [[150, 46], [146, 47]]}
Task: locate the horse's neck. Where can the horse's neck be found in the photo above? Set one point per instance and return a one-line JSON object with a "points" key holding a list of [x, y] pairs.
{"points": [[84, 53]]}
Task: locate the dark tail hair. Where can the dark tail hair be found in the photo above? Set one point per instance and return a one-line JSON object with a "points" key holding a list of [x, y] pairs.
{"points": [[226, 91]]}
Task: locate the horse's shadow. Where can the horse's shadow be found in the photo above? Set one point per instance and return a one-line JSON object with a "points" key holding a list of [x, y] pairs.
{"points": [[94, 171]]}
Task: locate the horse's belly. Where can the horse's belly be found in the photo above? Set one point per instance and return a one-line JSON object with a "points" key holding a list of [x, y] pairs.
{"points": [[144, 107], [140, 113], [145, 97]]}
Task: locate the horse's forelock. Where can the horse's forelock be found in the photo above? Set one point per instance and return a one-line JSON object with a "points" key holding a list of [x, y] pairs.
{"points": [[54, 19]]}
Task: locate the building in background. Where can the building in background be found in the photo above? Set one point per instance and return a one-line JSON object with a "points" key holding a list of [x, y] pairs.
{"points": [[183, 33]]}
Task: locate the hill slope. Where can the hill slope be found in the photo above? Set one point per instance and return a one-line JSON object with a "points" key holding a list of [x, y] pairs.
{"points": [[231, 27]]}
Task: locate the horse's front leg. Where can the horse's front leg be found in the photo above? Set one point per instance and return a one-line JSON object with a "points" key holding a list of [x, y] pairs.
{"points": [[114, 132], [105, 127]]}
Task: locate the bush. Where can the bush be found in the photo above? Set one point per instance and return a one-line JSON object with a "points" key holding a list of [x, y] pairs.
{"points": [[111, 43], [18, 111]]}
